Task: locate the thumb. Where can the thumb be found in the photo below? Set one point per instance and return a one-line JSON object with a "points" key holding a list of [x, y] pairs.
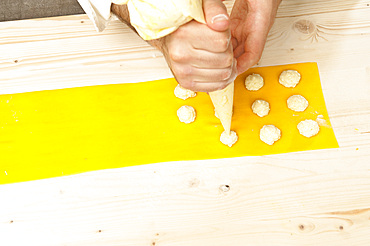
{"points": [[216, 15]]}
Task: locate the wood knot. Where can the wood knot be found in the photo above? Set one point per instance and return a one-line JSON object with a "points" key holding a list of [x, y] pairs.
{"points": [[301, 226], [224, 188], [306, 227], [304, 26], [193, 183], [154, 242]]}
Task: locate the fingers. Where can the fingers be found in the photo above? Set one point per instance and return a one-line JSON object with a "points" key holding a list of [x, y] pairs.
{"points": [[189, 74], [207, 80], [204, 79], [249, 54], [200, 58], [249, 51], [203, 38], [209, 87], [216, 15], [213, 42], [250, 25]]}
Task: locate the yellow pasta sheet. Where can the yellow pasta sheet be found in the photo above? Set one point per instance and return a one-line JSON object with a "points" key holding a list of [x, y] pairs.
{"points": [[61, 132]]}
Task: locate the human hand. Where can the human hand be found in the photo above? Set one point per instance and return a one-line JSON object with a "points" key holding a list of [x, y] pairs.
{"points": [[201, 56], [250, 22]]}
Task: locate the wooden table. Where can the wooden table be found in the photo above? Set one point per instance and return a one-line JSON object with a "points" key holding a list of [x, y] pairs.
{"points": [[309, 198]]}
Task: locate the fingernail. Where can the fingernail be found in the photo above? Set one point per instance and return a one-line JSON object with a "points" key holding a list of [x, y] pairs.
{"points": [[220, 17]]}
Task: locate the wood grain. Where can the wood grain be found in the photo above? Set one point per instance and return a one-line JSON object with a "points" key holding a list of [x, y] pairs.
{"points": [[308, 198]]}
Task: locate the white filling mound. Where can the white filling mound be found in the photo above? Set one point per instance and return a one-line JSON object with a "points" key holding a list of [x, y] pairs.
{"points": [[186, 114], [228, 139], [289, 78], [270, 134], [182, 93], [254, 82], [261, 108], [308, 128], [297, 103]]}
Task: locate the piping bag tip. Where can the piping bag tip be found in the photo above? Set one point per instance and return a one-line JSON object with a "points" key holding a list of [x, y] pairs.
{"points": [[223, 101]]}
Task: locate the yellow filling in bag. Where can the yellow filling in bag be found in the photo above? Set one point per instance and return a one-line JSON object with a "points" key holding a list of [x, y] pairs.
{"points": [[61, 132]]}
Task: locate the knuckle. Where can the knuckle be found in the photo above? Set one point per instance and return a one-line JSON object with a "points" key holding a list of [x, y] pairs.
{"points": [[223, 42], [226, 74], [181, 32], [177, 55], [228, 62]]}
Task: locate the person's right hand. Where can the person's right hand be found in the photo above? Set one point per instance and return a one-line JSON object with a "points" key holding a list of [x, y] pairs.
{"points": [[250, 23], [201, 58]]}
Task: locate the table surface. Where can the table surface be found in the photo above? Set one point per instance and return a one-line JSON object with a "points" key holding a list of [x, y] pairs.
{"points": [[305, 198]]}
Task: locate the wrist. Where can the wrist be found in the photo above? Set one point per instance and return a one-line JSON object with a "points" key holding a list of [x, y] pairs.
{"points": [[157, 43], [121, 11]]}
